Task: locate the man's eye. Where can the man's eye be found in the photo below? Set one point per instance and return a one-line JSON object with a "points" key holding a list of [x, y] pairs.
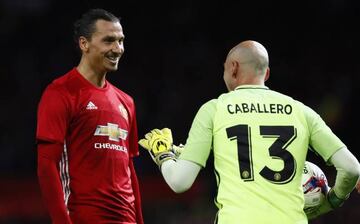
{"points": [[108, 41]]}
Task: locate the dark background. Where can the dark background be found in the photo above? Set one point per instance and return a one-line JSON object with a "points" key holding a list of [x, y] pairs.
{"points": [[173, 63]]}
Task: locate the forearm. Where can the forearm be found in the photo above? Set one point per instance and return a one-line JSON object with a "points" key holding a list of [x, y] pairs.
{"points": [[51, 188], [180, 174], [348, 171], [136, 190]]}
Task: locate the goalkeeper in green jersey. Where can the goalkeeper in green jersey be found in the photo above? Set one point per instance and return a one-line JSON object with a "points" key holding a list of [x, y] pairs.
{"points": [[259, 139]]}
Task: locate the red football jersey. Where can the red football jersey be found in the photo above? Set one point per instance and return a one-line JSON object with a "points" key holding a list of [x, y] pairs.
{"points": [[99, 132]]}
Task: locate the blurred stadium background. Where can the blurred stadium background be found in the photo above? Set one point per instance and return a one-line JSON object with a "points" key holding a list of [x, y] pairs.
{"points": [[172, 65]]}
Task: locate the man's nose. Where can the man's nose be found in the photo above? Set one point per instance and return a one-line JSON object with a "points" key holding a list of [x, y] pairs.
{"points": [[118, 48]]}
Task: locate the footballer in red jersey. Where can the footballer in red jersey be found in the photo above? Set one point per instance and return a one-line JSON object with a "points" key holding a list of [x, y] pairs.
{"points": [[87, 136]]}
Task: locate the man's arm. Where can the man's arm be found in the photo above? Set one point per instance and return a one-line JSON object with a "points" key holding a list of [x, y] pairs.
{"points": [[180, 174], [136, 190], [348, 172], [49, 155], [180, 171]]}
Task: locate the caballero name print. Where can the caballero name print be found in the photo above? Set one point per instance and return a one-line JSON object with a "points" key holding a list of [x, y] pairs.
{"points": [[271, 108]]}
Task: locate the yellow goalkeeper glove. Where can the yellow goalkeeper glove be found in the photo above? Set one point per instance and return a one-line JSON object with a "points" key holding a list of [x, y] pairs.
{"points": [[159, 144]]}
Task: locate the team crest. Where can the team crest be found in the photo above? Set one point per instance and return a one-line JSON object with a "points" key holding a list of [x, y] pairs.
{"points": [[123, 112]]}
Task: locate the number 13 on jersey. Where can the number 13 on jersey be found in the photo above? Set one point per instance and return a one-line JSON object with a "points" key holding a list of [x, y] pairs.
{"points": [[283, 135]]}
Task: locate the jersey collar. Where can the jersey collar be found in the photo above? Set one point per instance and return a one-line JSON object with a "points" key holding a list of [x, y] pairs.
{"points": [[88, 84], [251, 87]]}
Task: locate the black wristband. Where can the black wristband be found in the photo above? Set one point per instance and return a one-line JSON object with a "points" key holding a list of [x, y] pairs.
{"points": [[164, 156]]}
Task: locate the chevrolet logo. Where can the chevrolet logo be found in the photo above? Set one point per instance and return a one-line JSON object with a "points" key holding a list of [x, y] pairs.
{"points": [[112, 131]]}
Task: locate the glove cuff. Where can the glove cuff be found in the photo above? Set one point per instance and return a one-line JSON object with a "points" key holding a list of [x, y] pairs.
{"points": [[164, 156], [177, 150], [334, 200]]}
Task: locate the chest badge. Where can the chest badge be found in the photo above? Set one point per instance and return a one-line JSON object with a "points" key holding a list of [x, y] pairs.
{"points": [[112, 131]]}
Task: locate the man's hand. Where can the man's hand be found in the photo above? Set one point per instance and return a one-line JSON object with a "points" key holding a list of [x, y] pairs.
{"points": [[159, 144], [331, 202], [177, 150], [323, 208]]}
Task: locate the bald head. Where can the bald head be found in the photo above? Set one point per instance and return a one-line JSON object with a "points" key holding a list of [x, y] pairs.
{"points": [[252, 53], [246, 64]]}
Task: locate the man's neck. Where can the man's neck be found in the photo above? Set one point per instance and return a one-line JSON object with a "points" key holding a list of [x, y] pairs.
{"points": [[250, 79], [94, 77]]}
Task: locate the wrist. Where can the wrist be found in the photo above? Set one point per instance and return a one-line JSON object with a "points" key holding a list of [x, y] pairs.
{"points": [[334, 200], [164, 156]]}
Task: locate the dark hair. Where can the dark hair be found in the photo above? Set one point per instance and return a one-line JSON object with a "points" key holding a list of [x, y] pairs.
{"points": [[85, 26]]}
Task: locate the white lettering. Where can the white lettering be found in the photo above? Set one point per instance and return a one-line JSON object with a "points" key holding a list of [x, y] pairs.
{"points": [[110, 146]]}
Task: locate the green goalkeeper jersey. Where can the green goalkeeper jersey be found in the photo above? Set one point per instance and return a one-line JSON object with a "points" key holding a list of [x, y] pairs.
{"points": [[260, 139]]}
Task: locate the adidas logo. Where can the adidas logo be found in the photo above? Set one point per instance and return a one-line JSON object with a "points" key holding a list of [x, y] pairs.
{"points": [[91, 106]]}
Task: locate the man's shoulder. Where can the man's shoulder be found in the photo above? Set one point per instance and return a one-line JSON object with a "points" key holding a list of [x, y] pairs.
{"points": [[122, 94], [287, 98], [280, 94], [65, 84], [63, 79]]}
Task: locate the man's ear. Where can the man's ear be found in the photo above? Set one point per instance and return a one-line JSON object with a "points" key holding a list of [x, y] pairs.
{"points": [[234, 68], [267, 74], [83, 44]]}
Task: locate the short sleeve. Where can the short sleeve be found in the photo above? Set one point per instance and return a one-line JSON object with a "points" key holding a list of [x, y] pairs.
{"points": [[53, 116], [199, 143]]}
